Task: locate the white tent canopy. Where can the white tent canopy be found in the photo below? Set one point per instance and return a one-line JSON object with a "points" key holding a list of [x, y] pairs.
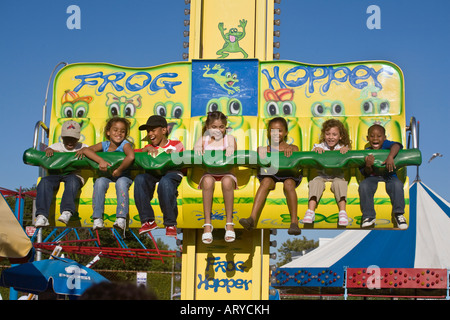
{"points": [[425, 244]]}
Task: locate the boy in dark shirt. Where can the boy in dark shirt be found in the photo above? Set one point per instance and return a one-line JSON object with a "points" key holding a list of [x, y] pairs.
{"points": [[394, 187]]}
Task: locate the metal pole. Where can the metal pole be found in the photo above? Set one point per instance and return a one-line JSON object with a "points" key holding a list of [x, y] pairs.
{"points": [[44, 108]]}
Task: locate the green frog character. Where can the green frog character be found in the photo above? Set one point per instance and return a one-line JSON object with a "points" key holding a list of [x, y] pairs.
{"points": [[237, 124], [372, 104], [125, 107], [280, 103], [232, 39], [75, 107], [173, 112], [227, 81], [375, 109], [322, 111]]}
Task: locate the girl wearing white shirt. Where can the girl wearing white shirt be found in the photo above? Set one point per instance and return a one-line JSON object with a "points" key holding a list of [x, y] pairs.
{"points": [[334, 136]]}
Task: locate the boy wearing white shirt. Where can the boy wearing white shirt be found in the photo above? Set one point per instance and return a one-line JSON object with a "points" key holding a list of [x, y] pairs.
{"points": [[73, 181]]}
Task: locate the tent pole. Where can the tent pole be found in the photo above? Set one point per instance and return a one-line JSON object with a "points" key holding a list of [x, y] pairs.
{"points": [[345, 283]]}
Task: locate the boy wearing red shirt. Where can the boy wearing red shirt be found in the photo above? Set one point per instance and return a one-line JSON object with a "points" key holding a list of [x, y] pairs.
{"points": [[145, 183]]}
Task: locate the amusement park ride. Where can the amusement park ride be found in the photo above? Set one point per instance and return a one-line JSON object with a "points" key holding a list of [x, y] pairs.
{"points": [[230, 67]]}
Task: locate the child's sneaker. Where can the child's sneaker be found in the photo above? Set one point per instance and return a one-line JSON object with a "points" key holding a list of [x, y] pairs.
{"points": [[98, 224], [401, 221], [343, 218], [171, 231], [148, 226], [41, 221], [367, 222], [65, 217], [120, 223], [309, 216]]}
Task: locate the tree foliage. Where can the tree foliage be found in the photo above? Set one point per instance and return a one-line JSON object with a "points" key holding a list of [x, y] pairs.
{"points": [[296, 245]]}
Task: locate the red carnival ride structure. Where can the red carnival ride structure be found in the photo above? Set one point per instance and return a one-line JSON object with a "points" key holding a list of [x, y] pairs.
{"points": [[71, 241]]}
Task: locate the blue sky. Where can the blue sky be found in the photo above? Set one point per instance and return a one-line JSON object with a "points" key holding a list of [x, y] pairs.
{"points": [[34, 37]]}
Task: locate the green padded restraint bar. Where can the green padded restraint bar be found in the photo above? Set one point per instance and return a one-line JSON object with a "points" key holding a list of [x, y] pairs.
{"points": [[217, 162]]}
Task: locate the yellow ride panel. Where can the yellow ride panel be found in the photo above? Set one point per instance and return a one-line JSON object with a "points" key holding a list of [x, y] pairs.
{"points": [[359, 94]]}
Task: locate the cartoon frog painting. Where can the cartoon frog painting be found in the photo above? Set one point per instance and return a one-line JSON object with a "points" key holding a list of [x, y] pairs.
{"points": [[280, 103], [376, 109], [227, 81], [125, 107], [75, 107], [321, 111], [372, 103], [232, 38], [173, 112], [237, 123]]}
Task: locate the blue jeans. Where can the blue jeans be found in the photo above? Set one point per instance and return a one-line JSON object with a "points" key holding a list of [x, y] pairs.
{"points": [[101, 185], [144, 188], [47, 188], [368, 187]]}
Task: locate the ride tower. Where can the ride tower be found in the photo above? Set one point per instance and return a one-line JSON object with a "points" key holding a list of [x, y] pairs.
{"points": [[230, 67]]}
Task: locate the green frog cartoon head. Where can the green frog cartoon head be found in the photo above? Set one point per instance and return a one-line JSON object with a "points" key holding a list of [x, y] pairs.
{"points": [[280, 103], [75, 107], [322, 111], [173, 112], [125, 107], [372, 103], [237, 125], [376, 110]]}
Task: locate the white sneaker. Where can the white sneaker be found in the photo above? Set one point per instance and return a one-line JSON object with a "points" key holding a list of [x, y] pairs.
{"points": [[98, 224], [41, 221], [65, 217], [120, 223], [309, 216], [343, 218]]}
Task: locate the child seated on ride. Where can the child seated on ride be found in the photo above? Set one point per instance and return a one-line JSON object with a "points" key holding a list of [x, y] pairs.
{"points": [[116, 132], [73, 181], [394, 187], [277, 132], [145, 183], [215, 137], [333, 136]]}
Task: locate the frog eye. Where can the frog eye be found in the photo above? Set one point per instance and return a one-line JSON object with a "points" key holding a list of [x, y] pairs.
{"points": [[161, 110], [213, 106], [129, 110], [228, 75], [287, 108], [368, 107], [68, 112], [272, 109], [234, 76], [234, 107], [114, 109], [177, 112], [80, 112], [384, 107], [318, 110], [337, 109], [80, 109]]}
